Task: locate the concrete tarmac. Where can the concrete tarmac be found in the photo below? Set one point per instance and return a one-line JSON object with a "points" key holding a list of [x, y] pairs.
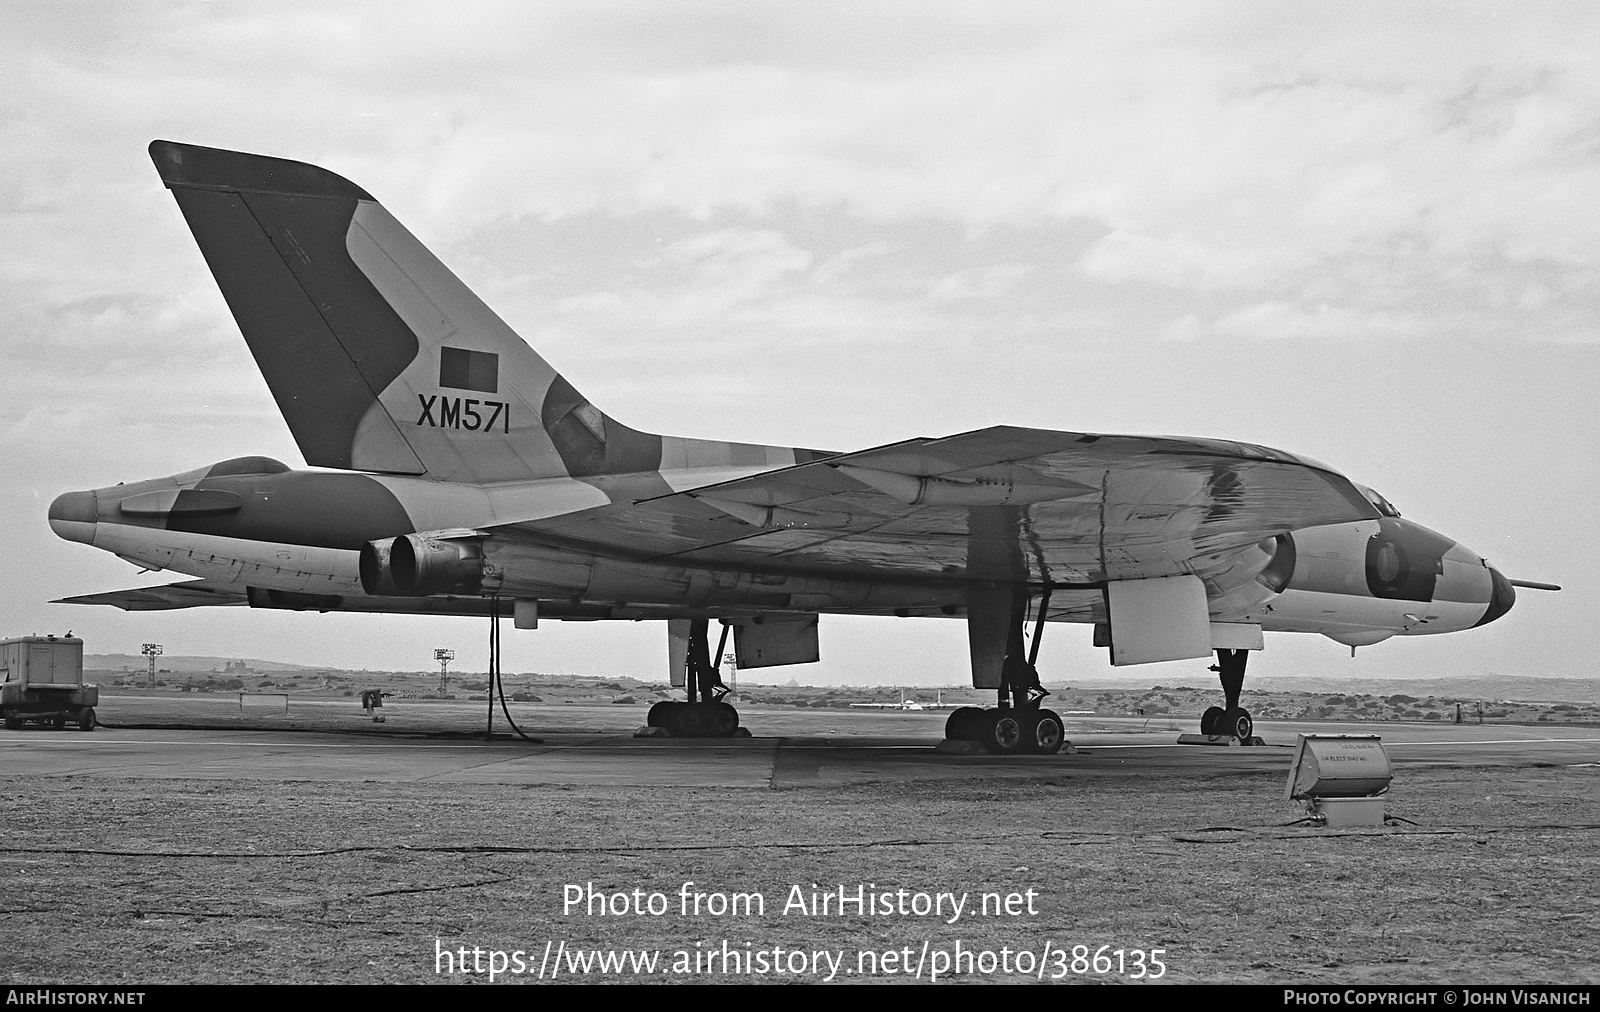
{"points": [[872, 748]]}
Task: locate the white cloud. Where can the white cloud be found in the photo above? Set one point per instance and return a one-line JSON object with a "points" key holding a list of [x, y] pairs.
{"points": [[1282, 320], [871, 218]]}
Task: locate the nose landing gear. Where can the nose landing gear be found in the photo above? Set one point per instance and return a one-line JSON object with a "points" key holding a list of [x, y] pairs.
{"points": [[1230, 721]]}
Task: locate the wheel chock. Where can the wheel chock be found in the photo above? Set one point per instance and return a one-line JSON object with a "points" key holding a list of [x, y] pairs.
{"points": [[952, 746], [662, 732], [1218, 739]]}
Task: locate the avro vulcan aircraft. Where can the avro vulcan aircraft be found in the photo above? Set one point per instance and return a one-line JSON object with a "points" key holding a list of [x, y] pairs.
{"points": [[462, 475]]}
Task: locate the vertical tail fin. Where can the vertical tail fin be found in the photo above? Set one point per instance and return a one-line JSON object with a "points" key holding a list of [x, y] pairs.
{"points": [[379, 357]]}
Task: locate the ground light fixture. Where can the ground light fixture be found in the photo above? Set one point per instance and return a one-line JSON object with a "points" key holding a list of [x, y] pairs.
{"points": [[1342, 779]]}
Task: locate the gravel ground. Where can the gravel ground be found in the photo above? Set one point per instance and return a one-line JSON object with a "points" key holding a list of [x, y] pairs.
{"points": [[141, 881]]}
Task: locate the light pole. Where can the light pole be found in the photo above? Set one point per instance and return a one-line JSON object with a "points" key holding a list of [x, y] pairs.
{"points": [[444, 657], [152, 651]]}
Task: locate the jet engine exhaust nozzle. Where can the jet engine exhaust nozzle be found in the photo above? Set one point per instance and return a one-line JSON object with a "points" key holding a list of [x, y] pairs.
{"points": [[374, 565], [420, 566]]}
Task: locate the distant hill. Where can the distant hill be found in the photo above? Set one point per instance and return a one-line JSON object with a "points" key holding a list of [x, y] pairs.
{"points": [[179, 663], [1485, 687], [1566, 690]]}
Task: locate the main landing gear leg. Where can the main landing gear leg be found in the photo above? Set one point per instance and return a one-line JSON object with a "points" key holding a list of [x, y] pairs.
{"points": [[705, 715], [1018, 723], [1230, 720]]}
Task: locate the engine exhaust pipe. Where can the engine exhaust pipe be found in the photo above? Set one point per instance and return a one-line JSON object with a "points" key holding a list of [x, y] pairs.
{"points": [[420, 565], [377, 578]]}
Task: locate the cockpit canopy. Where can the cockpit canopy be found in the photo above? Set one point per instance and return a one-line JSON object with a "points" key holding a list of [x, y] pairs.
{"points": [[1379, 503]]}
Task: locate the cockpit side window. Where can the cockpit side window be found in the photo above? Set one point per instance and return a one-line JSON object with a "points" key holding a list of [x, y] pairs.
{"points": [[1381, 504]]}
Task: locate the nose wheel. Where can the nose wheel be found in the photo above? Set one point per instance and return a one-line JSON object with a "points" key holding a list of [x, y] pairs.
{"points": [[1236, 723], [1227, 723]]}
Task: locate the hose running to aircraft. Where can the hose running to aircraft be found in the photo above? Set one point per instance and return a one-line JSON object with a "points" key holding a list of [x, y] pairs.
{"points": [[496, 686]]}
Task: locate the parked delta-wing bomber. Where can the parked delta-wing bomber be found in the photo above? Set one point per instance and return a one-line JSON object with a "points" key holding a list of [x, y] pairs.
{"points": [[469, 478]]}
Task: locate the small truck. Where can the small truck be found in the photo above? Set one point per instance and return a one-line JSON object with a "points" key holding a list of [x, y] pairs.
{"points": [[41, 679]]}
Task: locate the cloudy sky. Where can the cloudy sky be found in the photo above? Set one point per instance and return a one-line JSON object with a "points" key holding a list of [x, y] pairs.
{"points": [[1366, 233]]}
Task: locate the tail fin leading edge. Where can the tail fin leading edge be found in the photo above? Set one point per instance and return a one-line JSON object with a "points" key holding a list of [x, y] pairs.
{"points": [[379, 357]]}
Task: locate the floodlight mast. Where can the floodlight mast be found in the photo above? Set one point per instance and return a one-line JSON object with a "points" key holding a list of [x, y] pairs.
{"points": [[151, 651], [444, 657]]}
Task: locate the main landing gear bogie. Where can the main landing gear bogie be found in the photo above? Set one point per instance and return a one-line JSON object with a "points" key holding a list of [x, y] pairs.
{"points": [[1020, 724], [704, 715], [1008, 730], [704, 719]]}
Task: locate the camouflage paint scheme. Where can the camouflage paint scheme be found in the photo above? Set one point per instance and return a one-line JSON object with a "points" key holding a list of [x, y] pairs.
{"points": [[466, 469]]}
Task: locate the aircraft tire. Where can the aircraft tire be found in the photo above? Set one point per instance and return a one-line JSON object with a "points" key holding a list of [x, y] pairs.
{"points": [[1044, 733], [1211, 721], [86, 719], [723, 719], [1002, 731], [1236, 723], [660, 714], [962, 724], [689, 721]]}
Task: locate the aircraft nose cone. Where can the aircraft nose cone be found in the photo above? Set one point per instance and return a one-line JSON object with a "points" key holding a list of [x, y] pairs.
{"points": [[1501, 597], [73, 516]]}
